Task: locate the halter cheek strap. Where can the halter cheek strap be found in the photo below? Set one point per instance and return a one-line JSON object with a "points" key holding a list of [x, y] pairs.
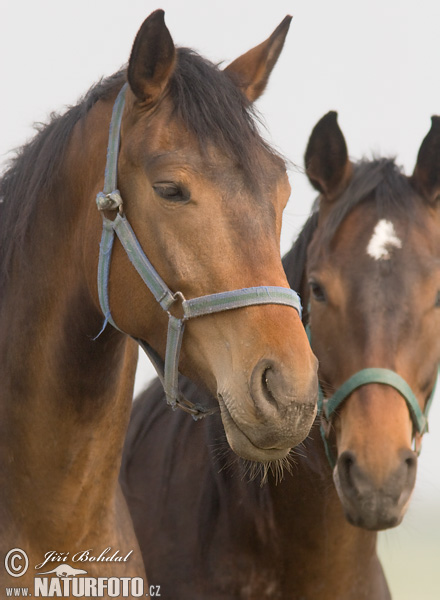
{"points": [[110, 199]]}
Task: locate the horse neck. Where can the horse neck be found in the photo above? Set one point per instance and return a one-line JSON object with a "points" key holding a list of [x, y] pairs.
{"points": [[309, 522], [292, 520], [306, 505], [65, 397]]}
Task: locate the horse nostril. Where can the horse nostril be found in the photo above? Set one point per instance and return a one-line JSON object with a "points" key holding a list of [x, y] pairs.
{"points": [[347, 459], [345, 465], [266, 386], [410, 461]]}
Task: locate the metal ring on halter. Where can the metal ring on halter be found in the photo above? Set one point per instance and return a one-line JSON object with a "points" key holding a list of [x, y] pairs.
{"points": [[195, 410], [176, 296], [179, 295]]}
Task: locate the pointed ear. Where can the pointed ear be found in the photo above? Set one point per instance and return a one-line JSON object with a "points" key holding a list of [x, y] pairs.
{"points": [[426, 176], [326, 159], [251, 70], [152, 59]]}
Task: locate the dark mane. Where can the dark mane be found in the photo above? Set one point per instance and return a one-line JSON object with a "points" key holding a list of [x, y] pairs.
{"points": [[35, 167], [204, 97], [294, 261], [380, 181]]}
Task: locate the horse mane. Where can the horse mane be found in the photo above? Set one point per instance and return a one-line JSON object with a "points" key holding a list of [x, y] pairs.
{"points": [[380, 181], [211, 105], [35, 168], [294, 261], [204, 98]]}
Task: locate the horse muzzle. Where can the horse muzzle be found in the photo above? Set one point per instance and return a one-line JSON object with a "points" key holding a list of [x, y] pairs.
{"points": [[278, 416], [368, 504]]}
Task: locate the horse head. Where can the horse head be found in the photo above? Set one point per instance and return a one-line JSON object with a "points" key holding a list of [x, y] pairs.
{"points": [[204, 194], [374, 281]]}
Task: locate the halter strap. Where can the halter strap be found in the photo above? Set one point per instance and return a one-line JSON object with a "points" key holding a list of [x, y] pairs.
{"points": [[385, 377], [168, 372], [328, 406]]}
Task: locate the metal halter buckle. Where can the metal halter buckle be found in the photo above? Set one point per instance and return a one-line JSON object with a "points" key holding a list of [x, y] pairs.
{"points": [[111, 201]]}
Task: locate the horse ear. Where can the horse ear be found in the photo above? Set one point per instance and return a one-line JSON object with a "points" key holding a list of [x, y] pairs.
{"points": [[251, 70], [152, 59], [426, 176], [326, 159]]}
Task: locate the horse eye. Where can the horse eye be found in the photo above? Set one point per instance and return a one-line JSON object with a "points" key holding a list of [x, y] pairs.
{"points": [[171, 191], [437, 300], [318, 291]]}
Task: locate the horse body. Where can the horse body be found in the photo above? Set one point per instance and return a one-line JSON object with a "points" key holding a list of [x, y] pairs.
{"points": [[66, 391], [373, 295]]}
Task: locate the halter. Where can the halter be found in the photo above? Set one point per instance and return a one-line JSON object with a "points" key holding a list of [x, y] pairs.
{"points": [[328, 406], [168, 372]]}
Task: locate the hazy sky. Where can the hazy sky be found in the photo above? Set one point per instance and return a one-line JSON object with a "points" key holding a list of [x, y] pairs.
{"points": [[375, 62]]}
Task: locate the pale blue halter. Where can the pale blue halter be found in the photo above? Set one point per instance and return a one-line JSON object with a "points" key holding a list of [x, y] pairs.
{"points": [[110, 199]]}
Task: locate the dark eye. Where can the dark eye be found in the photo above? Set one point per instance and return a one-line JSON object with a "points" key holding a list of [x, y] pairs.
{"points": [[437, 300], [317, 291], [171, 192]]}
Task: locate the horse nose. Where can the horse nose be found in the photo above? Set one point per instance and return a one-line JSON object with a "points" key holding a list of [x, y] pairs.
{"points": [[371, 504], [277, 396]]}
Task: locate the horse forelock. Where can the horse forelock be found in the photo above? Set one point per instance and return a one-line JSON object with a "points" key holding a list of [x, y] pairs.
{"points": [[216, 111], [381, 183]]}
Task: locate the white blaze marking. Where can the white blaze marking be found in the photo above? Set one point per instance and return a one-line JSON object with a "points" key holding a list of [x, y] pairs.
{"points": [[383, 239]]}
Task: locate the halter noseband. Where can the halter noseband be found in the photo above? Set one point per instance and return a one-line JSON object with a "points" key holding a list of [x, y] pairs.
{"points": [[328, 406], [168, 372]]}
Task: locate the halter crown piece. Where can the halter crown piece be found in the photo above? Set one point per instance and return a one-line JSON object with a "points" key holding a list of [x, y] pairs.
{"points": [[168, 372]]}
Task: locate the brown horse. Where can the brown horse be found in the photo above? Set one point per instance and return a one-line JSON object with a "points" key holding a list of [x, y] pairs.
{"points": [[204, 530], [200, 187]]}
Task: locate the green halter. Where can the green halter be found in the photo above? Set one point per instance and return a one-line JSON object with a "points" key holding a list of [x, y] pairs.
{"points": [[328, 406]]}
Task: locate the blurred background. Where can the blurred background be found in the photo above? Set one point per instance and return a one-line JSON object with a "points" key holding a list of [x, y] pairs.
{"points": [[374, 62]]}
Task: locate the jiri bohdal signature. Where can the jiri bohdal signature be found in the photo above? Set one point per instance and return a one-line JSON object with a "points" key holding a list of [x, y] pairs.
{"points": [[107, 555]]}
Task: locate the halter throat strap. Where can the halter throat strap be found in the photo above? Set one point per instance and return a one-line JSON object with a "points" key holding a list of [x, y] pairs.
{"points": [[110, 199]]}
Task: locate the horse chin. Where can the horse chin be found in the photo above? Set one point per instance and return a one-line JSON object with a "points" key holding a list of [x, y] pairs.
{"points": [[375, 519], [373, 510], [242, 445]]}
